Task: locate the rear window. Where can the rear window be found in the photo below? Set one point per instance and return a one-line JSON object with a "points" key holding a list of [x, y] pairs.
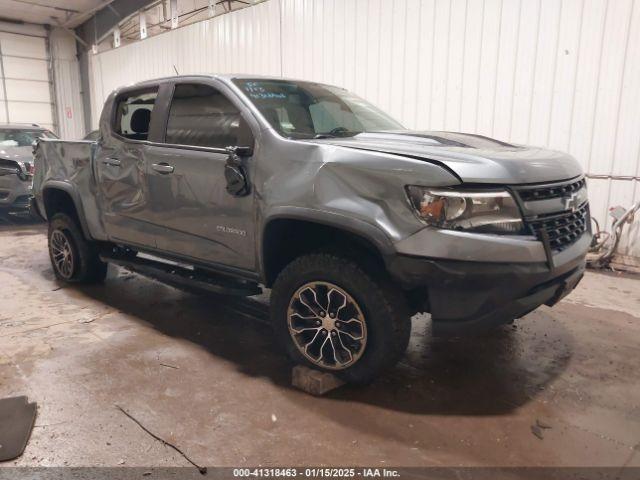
{"points": [[133, 114]]}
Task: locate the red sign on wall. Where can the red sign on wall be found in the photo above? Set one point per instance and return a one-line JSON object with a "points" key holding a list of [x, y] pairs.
{"points": [[68, 112]]}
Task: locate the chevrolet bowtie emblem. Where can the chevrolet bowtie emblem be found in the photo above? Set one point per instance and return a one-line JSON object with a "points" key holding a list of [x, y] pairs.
{"points": [[571, 202]]}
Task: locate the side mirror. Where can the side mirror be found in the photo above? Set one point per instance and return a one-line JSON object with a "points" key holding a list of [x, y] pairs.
{"points": [[234, 172]]}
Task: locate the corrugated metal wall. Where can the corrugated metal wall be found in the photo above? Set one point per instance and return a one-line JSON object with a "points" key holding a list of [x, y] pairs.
{"points": [[244, 41], [66, 81], [559, 73]]}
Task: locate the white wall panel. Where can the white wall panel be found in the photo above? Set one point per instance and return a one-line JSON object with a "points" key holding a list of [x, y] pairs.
{"points": [[245, 41], [612, 65], [506, 72], [558, 73], [28, 91], [626, 150], [24, 79], [26, 112], [26, 68], [524, 71], [66, 81], [23, 45], [426, 67]]}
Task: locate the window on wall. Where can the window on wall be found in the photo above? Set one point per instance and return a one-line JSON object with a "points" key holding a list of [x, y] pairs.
{"points": [[202, 116], [133, 114]]}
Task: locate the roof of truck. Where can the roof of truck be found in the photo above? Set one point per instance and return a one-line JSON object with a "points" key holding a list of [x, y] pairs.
{"points": [[226, 77]]}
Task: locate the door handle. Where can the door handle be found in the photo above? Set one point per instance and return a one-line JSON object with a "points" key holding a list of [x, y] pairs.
{"points": [[164, 168], [114, 162]]}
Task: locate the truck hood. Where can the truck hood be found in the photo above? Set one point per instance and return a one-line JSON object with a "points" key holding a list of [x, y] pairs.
{"points": [[17, 154], [12, 158], [473, 158]]}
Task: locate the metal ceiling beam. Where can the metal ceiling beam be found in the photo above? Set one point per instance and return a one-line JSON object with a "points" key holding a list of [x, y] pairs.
{"points": [[99, 24], [82, 16], [73, 34], [91, 31], [104, 20], [44, 5]]}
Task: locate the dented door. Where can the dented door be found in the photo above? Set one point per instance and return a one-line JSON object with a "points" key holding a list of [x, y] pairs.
{"points": [[121, 168]]}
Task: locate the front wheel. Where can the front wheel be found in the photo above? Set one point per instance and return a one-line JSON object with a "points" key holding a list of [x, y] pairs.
{"points": [[73, 258], [333, 315]]}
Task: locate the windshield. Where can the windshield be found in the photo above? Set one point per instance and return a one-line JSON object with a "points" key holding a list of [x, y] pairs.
{"points": [[13, 137], [303, 110]]}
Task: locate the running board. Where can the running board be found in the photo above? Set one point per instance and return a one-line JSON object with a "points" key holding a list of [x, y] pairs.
{"points": [[180, 277]]}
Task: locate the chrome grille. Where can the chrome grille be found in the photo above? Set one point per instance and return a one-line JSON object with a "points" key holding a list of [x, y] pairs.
{"points": [[22, 201], [551, 191], [8, 165], [560, 209], [563, 229]]}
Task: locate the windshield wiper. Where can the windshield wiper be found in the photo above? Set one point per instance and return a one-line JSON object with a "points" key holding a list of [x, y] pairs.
{"points": [[337, 134]]}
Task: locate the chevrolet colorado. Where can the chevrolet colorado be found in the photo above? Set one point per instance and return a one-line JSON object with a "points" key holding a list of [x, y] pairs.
{"points": [[226, 183]]}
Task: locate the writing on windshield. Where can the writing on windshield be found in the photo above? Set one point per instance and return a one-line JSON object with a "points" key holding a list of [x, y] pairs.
{"points": [[311, 110]]}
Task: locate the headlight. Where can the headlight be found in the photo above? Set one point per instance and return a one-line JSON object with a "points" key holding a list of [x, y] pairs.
{"points": [[477, 211]]}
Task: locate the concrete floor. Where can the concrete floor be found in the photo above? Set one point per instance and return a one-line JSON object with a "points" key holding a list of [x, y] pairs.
{"points": [[204, 374]]}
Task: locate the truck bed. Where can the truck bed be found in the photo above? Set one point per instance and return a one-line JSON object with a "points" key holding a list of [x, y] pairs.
{"points": [[69, 165]]}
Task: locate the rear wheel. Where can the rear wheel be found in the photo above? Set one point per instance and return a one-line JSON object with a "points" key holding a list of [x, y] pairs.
{"points": [[333, 315], [73, 258]]}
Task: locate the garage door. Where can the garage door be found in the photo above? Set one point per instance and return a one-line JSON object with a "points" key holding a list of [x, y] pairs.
{"points": [[25, 93]]}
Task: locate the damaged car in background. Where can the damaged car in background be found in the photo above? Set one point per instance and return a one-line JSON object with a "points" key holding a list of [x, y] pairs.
{"points": [[17, 167]]}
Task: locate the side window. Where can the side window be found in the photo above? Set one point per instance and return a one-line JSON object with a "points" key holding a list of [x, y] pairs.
{"points": [[202, 116], [133, 114]]}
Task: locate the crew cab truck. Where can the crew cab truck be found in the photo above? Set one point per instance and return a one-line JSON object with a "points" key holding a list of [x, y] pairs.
{"points": [[230, 183]]}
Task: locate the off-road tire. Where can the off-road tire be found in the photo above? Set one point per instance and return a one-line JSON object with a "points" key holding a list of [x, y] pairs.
{"points": [[386, 314], [87, 266]]}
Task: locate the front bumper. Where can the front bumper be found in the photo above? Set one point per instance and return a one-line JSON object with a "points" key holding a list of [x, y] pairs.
{"points": [[470, 296], [15, 195], [20, 205]]}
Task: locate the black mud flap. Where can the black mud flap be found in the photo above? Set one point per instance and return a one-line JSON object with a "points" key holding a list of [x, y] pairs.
{"points": [[17, 417]]}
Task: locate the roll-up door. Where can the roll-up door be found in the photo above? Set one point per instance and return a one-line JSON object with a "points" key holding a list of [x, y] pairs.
{"points": [[25, 88]]}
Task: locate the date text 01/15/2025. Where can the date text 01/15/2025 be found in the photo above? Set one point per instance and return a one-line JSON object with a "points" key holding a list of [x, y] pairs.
{"points": [[316, 472]]}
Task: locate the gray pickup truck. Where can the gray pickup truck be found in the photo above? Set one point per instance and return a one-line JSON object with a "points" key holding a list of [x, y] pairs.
{"points": [[230, 183]]}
